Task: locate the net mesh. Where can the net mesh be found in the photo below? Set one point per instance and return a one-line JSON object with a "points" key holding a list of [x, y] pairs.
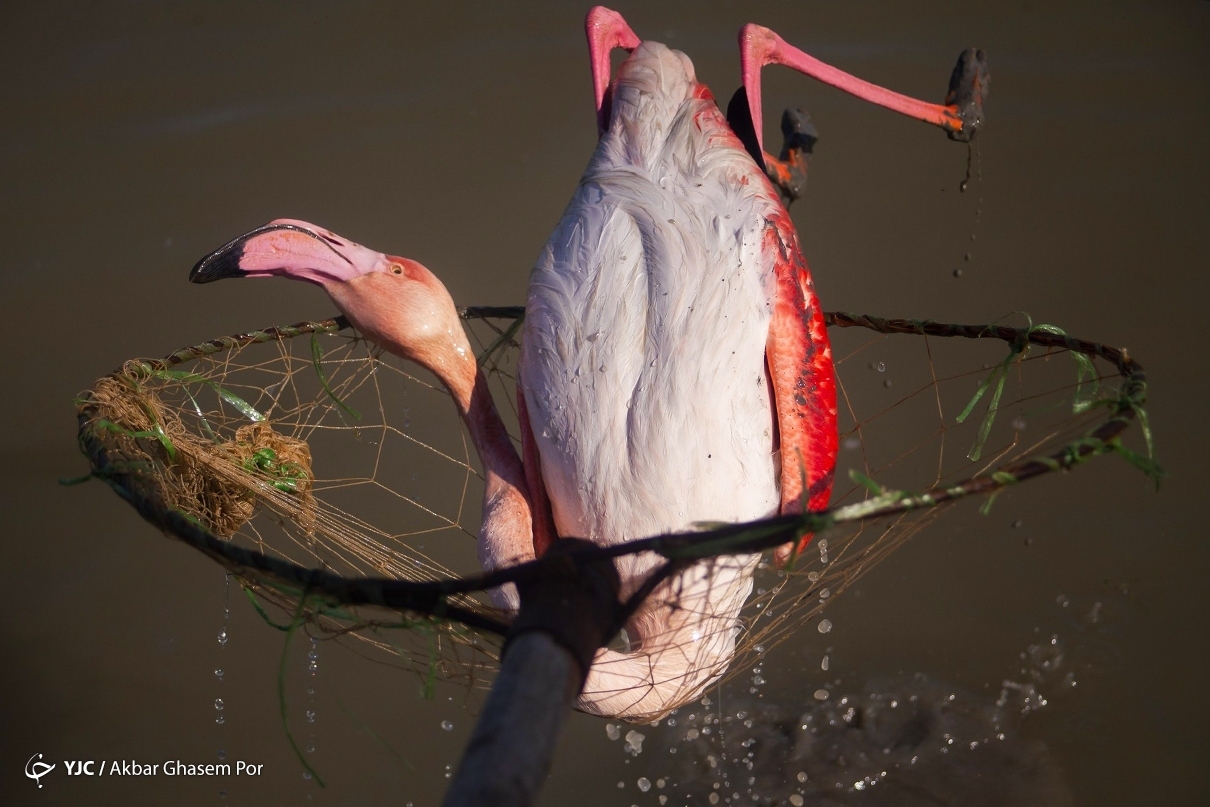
{"points": [[306, 448]]}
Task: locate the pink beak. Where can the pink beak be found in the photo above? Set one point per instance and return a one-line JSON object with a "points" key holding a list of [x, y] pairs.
{"points": [[289, 248]]}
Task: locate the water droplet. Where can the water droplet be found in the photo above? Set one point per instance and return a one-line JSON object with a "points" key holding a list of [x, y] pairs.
{"points": [[644, 784], [881, 367], [447, 725], [612, 731], [220, 719], [634, 742], [218, 704], [222, 637], [821, 694], [796, 800], [221, 755], [307, 775], [802, 776], [823, 665], [825, 625], [957, 273], [219, 673], [310, 716]]}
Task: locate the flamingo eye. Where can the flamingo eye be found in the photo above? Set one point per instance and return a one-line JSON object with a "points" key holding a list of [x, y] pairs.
{"points": [[396, 269]]}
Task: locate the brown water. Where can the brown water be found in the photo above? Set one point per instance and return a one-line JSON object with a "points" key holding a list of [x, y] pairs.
{"points": [[135, 137]]}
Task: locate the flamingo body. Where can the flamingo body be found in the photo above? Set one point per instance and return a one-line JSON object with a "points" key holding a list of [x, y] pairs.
{"points": [[672, 343]]}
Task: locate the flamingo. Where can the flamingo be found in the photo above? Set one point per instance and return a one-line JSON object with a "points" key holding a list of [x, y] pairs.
{"points": [[675, 366]]}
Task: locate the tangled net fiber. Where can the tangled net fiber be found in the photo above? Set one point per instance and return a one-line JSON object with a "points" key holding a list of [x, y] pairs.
{"points": [[215, 481]]}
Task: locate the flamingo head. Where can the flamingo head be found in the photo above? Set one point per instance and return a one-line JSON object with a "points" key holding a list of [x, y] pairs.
{"points": [[396, 302]]}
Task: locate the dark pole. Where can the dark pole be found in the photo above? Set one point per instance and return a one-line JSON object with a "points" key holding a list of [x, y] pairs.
{"points": [[511, 749], [565, 616]]}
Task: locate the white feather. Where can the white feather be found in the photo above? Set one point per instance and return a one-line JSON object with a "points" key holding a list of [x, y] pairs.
{"points": [[643, 359]]}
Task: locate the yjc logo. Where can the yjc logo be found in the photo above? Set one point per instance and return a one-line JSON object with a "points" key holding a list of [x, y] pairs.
{"points": [[36, 770]]}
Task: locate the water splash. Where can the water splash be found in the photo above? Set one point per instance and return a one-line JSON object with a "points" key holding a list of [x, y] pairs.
{"points": [[901, 738]]}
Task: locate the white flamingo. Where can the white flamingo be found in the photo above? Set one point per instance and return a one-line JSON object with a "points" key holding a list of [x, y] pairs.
{"points": [[675, 366]]}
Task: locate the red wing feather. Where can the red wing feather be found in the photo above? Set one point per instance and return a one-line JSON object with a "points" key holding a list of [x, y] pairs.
{"points": [[799, 357]]}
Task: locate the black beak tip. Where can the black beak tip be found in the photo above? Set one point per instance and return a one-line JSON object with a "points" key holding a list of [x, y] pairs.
{"points": [[220, 264]]}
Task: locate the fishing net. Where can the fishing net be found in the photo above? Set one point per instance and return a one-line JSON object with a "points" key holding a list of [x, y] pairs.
{"points": [[339, 486]]}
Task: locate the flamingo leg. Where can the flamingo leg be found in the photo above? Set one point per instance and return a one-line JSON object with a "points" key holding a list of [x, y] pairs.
{"points": [[960, 115], [606, 30]]}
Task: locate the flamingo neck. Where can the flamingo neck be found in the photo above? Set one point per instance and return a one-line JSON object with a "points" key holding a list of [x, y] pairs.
{"points": [[506, 531], [501, 465], [422, 325]]}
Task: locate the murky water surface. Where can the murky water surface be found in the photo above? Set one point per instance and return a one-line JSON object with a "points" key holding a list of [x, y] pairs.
{"points": [[1048, 653]]}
